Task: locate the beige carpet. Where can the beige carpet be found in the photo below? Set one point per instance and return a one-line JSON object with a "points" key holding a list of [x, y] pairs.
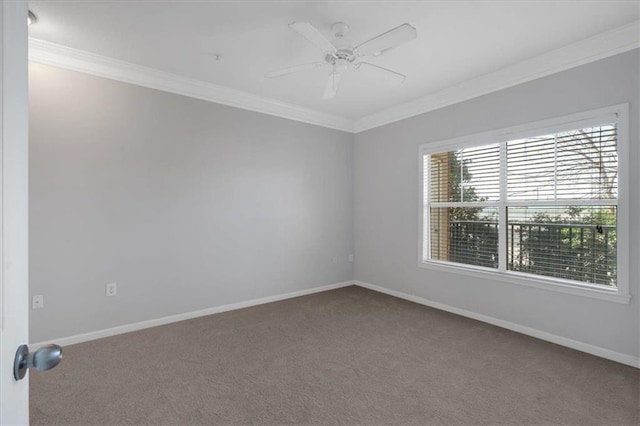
{"points": [[348, 356]]}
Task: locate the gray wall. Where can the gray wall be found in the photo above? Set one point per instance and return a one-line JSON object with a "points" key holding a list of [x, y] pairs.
{"points": [[189, 205], [387, 203], [184, 204]]}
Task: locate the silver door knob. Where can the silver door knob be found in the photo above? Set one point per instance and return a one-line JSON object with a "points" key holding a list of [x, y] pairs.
{"points": [[45, 358]]}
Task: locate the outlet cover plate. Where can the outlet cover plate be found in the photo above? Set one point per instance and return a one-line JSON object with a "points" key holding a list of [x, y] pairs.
{"points": [[111, 289], [37, 302]]}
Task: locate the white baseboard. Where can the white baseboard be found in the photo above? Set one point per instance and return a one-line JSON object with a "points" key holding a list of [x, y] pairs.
{"points": [[563, 341], [542, 335], [85, 337]]}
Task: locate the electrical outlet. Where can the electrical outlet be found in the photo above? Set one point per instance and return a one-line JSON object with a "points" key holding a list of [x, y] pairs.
{"points": [[111, 289], [37, 302], [351, 258]]}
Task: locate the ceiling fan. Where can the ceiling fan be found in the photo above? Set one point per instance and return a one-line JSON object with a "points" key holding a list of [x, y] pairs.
{"points": [[348, 58]]}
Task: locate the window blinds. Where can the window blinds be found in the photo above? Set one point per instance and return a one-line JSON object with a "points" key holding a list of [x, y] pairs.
{"points": [[555, 195], [580, 164]]}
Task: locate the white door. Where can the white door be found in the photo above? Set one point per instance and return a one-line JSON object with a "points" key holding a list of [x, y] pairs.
{"points": [[14, 289]]}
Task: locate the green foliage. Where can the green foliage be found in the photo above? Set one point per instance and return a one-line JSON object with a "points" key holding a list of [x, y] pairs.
{"points": [[473, 240], [576, 245], [461, 190]]}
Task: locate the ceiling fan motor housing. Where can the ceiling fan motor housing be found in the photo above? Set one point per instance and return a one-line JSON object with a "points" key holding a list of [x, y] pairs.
{"points": [[341, 58]]}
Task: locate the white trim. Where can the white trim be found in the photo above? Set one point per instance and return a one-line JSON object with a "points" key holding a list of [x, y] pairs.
{"points": [[529, 280], [502, 212], [519, 203], [598, 47], [553, 125], [563, 341], [521, 131], [592, 49], [543, 335], [624, 201], [44, 52], [85, 337], [14, 208]]}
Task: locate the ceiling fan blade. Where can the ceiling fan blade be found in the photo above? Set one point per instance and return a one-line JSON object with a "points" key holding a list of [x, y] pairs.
{"points": [[386, 41], [312, 35], [296, 68], [380, 73], [331, 88]]}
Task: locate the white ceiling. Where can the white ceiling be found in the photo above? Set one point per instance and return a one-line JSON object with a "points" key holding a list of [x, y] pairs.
{"points": [[457, 41]]}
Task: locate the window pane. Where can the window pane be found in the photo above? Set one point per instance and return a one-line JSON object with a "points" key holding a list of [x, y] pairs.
{"points": [[471, 174], [464, 235], [574, 242], [588, 163], [579, 164]]}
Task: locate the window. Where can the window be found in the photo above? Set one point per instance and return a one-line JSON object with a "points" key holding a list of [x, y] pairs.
{"points": [[537, 204]]}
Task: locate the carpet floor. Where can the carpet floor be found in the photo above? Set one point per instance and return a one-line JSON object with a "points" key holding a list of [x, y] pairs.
{"points": [[347, 356]]}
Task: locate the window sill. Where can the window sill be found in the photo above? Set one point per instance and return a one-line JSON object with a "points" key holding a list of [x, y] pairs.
{"points": [[560, 286]]}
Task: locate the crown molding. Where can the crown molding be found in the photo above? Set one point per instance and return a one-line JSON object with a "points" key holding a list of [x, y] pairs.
{"points": [[598, 47], [48, 53]]}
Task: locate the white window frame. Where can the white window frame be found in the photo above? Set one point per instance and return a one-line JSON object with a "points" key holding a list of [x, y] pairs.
{"points": [[599, 116]]}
